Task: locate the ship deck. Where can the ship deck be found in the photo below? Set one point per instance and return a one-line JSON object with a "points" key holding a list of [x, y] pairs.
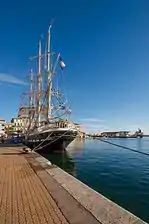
{"points": [[34, 191]]}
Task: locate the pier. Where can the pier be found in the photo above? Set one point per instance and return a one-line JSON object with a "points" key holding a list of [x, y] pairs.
{"points": [[32, 190]]}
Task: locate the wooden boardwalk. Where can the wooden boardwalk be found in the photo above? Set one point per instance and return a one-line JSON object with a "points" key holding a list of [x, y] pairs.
{"points": [[23, 196], [32, 191]]}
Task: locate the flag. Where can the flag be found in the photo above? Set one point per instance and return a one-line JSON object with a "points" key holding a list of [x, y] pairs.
{"points": [[52, 21], [62, 64], [69, 111]]}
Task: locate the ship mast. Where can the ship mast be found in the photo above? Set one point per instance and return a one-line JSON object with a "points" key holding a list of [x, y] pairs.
{"points": [[49, 89], [39, 89], [31, 101]]}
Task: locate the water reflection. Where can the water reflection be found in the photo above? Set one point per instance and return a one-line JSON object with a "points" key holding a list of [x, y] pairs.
{"points": [[139, 144], [118, 173], [76, 147], [62, 160]]}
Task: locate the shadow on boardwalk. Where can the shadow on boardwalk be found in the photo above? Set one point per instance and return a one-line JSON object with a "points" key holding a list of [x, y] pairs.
{"points": [[11, 145]]}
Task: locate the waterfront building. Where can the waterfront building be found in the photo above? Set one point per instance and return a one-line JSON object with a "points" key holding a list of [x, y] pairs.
{"points": [[8, 129], [81, 130], [112, 134], [19, 124], [2, 127]]}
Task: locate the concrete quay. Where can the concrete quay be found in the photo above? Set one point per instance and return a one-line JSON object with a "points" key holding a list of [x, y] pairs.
{"points": [[32, 190]]}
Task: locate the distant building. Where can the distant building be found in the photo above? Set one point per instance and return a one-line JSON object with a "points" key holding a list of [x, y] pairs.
{"points": [[19, 124], [24, 111], [123, 133], [27, 111], [112, 134], [2, 127], [8, 129], [81, 130]]}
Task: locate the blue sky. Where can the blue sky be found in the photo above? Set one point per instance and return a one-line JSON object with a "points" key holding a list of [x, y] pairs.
{"points": [[105, 45]]}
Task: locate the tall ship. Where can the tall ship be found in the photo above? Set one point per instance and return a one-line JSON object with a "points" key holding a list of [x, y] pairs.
{"points": [[46, 113]]}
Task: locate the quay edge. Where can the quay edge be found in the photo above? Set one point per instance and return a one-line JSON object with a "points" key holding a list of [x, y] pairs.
{"points": [[66, 189]]}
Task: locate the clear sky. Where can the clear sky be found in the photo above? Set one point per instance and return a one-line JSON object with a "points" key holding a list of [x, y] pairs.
{"points": [[105, 45]]}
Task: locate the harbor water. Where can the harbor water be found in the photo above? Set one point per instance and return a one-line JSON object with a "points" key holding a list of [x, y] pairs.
{"points": [[118, 173]]}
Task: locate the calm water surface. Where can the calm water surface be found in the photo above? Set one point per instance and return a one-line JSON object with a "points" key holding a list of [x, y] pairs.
{"points": [[117, 173]]}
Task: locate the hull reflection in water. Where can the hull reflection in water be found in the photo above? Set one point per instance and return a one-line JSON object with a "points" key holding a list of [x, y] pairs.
{"points": [[76, 147], [62, 160]]}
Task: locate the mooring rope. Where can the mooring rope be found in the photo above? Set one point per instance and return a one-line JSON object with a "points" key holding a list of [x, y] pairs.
{"points": [[124, 147], [36, 147], [49, 143]]}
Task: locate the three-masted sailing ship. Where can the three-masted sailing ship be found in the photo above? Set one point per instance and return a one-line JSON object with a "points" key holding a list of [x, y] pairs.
{"points": [[47, 115]]}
